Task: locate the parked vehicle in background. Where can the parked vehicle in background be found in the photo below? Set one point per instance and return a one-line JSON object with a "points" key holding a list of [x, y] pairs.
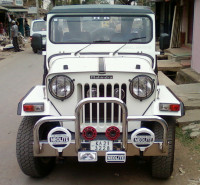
{"points": [[101, 96], [38, 27]]}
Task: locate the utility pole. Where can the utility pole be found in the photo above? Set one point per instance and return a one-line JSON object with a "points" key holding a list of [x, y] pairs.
{"points": [[37, 6]]}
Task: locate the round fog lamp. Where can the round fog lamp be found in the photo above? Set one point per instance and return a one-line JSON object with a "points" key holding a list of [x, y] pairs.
{"points": [[142, 138], [112, 133], [89, 133]]}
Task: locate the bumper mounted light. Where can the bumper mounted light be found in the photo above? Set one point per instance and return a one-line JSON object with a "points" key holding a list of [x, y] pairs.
{"points": [[87, 156]]}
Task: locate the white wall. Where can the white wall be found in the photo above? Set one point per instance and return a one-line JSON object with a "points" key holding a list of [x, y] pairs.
{"points": [[196, 38]]}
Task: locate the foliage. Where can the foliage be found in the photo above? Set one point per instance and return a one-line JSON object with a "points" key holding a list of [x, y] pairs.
{"points": [[184, 138]]}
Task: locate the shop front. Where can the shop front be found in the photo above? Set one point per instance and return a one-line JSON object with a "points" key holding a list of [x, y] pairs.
{"points": [[14, 11]]}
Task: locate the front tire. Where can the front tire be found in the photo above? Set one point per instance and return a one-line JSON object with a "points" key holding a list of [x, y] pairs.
{"points": [[162, 166], [30, 165]]}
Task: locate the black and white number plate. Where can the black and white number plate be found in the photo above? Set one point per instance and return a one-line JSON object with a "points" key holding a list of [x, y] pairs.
{"points": [[101, 145], [116, 157]]}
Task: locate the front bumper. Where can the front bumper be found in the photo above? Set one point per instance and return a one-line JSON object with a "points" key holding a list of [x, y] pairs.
{"points": [[42, 148]]}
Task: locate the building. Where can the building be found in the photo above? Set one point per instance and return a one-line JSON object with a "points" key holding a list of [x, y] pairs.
{"points": [[196, 38], [179, 18], [15, 11]]}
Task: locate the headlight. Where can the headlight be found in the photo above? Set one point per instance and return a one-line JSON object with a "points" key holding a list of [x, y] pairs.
{"points": [[142, 87], [61, 87]]}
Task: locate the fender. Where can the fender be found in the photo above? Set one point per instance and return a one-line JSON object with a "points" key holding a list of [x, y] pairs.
{"points": [[37, 95], [165, 95]]}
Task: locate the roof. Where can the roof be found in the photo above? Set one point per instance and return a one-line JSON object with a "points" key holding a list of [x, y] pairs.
{"points": [[16, 9], [20, 10], [38, 20], [101, 8], [3, 8]]}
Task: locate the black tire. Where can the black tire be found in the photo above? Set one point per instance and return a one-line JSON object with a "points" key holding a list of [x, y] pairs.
{"points": [[30, 165], [35, 50], [162, 166]]}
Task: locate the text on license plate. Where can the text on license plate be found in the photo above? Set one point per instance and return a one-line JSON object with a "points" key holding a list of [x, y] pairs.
{"points": [[101, 145], [59, 139]]}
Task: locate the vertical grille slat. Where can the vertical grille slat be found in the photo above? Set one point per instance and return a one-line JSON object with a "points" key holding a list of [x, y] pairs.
{"points": [[98, 111], [105, 105], [119, 108], [90, 94], [112, 105], [83, 96], [102, 106], [102, 114], [94, 105], [87, 106]]}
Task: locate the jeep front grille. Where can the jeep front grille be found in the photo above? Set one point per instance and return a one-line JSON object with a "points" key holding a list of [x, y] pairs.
{"points": [[102, 114]]}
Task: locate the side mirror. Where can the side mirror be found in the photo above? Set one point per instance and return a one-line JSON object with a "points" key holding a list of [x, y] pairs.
{"points": [[164, 41], [37, 42]]}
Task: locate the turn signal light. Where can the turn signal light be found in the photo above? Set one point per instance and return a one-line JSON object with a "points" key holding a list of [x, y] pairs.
{"points": [[169, 107], [33, 107], [175, 107]]}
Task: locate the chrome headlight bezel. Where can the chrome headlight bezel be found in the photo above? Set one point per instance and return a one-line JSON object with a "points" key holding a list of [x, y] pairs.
{"points": [[137, 79], [67, 80]]}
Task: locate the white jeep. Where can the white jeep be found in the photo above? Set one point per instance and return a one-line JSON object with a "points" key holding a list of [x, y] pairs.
{"points": [[101, 96]]}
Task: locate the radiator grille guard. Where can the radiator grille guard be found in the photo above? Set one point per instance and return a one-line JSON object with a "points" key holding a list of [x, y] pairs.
{"points": [[102, 114], [38, 147]]}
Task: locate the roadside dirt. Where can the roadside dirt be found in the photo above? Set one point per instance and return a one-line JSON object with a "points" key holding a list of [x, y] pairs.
{"points": [[10, 52], [186, 165]]}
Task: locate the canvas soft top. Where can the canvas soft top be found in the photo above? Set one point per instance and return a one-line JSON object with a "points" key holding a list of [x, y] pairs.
{"points": [[101, 9]]}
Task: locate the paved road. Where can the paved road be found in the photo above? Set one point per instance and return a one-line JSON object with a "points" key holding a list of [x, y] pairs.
{"points": [[18, 74]]}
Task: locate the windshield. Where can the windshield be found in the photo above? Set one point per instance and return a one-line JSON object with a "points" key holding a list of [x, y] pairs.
{"points": [[94, 29], [39, 26]]}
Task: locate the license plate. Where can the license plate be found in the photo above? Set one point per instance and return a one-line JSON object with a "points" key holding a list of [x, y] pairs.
{"points": [[101, 145], [116, 157]]}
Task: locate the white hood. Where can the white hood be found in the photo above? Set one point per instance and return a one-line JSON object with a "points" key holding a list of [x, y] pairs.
{"points": [[67, 64]]}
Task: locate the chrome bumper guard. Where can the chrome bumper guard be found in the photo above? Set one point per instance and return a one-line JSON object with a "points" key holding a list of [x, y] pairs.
{"points": [[125, 118]]}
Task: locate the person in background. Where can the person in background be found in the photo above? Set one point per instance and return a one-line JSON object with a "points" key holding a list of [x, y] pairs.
{"points": [[27, 29], [14, 34], [1, 28]]}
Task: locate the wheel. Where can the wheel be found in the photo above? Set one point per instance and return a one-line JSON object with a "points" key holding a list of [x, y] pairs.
{"points": [[34, 50], [30, 165], [162, 166]]}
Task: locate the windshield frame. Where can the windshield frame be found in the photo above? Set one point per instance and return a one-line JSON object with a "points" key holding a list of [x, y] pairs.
{"points": [[101, 15]]}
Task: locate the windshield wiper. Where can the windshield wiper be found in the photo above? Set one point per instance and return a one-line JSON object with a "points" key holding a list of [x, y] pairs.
{"points": [[136, 39], [99, 41], [81, 49], [127, 43]]}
